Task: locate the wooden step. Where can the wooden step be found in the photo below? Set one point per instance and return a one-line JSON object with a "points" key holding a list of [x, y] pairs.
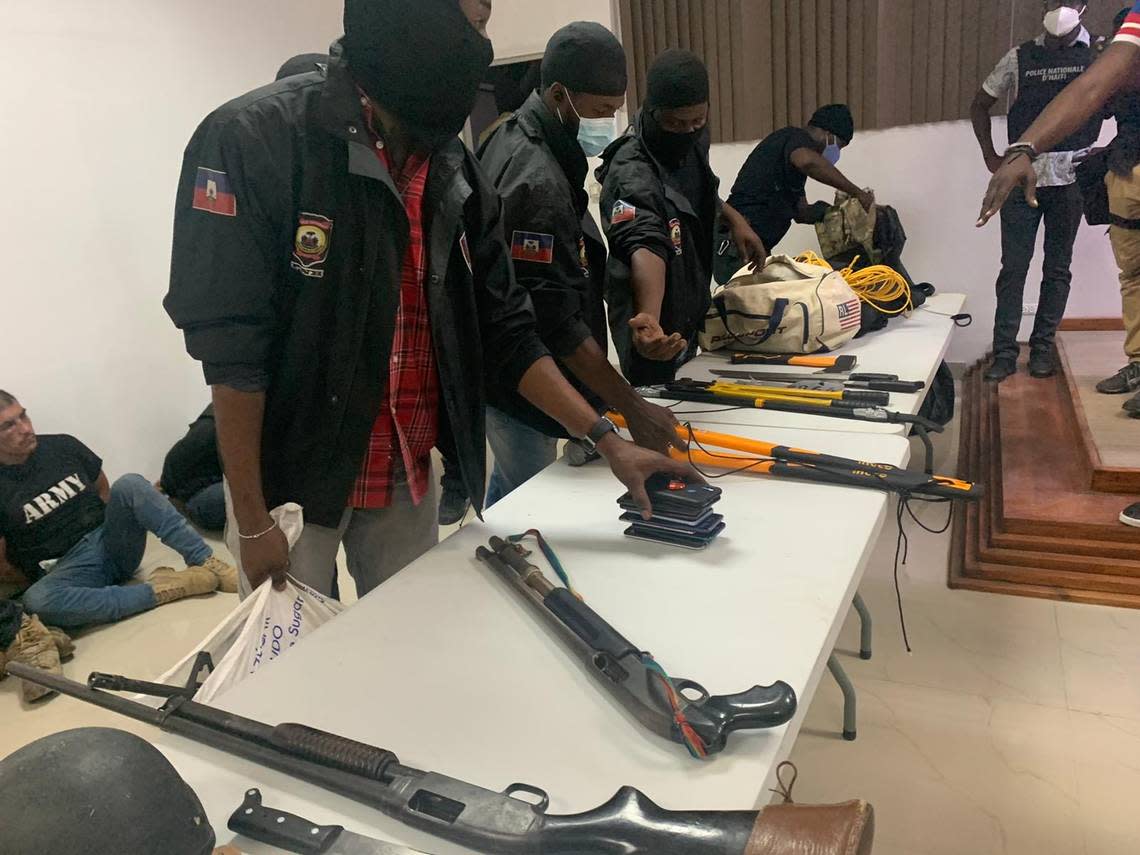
{"points": [[1061, 547], [1045, 477], [1081, 560], [1103, 478]]}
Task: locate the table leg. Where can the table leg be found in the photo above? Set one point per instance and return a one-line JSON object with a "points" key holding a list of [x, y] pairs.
{"points": [[845, 686], [864, 627]]}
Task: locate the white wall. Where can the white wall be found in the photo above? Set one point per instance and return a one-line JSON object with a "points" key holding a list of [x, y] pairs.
{"points": [[92, 141], [92, 128], [522, 27], [934, 176]]}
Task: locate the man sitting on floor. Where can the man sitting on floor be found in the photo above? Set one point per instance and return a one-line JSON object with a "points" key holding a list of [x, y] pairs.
{"points": [[59, 514]]}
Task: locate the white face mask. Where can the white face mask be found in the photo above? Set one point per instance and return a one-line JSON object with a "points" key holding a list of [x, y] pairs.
{"points": [[1061, 22]]}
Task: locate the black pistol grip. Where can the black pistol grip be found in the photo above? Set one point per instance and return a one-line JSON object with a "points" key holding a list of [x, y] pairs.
{"points": [[759, 707], [587, 624], [714, 718]]}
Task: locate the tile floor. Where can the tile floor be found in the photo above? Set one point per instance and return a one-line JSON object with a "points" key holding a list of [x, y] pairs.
{"points": [[1013, 727]]}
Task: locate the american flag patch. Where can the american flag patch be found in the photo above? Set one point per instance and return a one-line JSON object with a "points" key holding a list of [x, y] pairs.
{"points": [[850, 314], [532, 246], [1130, 29]]}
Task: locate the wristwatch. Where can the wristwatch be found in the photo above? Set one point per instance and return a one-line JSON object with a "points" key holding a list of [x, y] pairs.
{"points": [[598, 432]]}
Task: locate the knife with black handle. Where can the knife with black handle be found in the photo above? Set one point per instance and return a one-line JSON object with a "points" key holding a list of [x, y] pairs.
{"points": [[294, 834]]}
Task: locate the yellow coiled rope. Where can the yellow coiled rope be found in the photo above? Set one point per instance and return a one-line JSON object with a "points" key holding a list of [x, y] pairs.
{"points": [[877, 285]]}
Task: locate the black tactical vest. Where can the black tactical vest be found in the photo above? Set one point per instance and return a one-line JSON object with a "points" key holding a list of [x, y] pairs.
{"points": [[1041, 75]]}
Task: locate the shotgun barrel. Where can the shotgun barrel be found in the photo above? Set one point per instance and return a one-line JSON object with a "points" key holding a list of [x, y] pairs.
{"points": [[511, 822]]}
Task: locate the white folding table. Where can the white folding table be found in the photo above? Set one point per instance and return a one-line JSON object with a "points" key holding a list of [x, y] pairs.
{"points": [[445, 665]]}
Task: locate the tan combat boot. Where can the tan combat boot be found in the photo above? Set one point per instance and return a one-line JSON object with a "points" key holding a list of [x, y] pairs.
{"points": [[34, 646], [227, 575], [63, 643], [170, 585]]}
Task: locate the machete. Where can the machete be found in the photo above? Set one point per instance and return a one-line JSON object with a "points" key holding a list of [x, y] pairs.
{"points": [[680, 710], [294, 834]]}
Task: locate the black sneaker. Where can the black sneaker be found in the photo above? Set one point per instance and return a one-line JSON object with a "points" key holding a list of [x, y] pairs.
{"points": [[453, 503], [1131, 515], [1000, 368], [1123, 382], [1042, 364], [1132, 406]]}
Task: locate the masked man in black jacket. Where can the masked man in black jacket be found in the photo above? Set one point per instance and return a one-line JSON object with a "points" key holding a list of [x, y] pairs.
{"points": [[339, 269], [659, 210], [537, 161]]}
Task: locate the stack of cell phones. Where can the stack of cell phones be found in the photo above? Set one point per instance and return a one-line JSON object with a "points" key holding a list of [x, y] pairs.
{"points": [[682, 513]]}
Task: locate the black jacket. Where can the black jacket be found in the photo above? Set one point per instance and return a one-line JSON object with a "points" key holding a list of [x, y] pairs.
{"points": [[540, 173], [193, 463], [286, 279], [643, 207]]}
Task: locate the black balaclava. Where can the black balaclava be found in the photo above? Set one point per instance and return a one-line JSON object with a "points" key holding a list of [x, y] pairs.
{"points": [[677, 78], [98, 791], [585, 57], [420, 59]]}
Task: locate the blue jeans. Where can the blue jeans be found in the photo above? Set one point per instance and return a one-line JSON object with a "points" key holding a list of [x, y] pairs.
{"points": [[88, 585], [521, 452], [207, 508]]}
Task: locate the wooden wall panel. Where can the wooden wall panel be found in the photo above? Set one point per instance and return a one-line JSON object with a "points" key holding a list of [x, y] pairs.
{"points": [[772, 62]]}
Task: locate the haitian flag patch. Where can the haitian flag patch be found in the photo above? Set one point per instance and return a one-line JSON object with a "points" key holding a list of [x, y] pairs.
{"points": [[212, 193], [623, 212], [532, 246]]}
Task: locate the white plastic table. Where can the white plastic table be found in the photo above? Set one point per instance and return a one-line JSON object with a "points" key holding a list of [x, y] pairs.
{"points": [[912, 348], [446, 665]]}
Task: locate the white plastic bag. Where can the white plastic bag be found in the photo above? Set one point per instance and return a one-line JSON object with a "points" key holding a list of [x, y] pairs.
{"points": [[260, 630]]}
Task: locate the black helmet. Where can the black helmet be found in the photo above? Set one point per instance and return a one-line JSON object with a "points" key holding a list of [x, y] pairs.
{"points": [[98, 791]]}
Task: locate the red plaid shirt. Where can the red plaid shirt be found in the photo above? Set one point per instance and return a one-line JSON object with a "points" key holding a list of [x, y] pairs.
{"points": [[408, 423]]}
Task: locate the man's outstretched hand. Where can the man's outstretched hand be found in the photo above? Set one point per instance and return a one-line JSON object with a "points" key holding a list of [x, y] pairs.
{"points": [[1016, 171], [632, 465], [650, 340]]}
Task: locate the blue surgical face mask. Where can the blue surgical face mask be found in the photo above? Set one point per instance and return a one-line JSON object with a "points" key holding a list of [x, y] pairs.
{"points": [[594, 135], [832, 152]]}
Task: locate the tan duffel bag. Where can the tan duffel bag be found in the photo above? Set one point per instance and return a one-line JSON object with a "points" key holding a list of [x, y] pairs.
{"points": [[788, 307]]}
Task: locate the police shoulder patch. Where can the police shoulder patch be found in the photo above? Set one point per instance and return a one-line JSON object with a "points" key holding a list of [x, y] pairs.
{"points": [[311, 245], [623, 212]]}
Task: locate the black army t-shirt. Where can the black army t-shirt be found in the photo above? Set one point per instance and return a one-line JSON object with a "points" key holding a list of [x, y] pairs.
{"points": [[769, 186], [48, 503]]}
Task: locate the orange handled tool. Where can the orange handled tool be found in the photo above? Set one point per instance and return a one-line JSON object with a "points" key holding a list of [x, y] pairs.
{"points": [[804, 465]]}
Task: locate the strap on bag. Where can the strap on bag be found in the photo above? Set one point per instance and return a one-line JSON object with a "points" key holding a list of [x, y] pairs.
{"points": [[779, 308]]}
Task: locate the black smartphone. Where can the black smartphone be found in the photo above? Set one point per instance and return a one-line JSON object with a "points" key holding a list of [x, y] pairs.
{"points": [[703, 528], [670, 539], [675, 498], [633, 514]]}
